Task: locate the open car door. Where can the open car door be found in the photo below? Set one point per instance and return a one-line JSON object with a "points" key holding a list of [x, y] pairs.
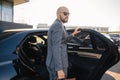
{"points": [[31, 62], [90, 55]]}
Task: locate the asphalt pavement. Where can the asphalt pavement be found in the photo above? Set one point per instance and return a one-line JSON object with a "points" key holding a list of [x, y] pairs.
{"points": [[113, 73]]}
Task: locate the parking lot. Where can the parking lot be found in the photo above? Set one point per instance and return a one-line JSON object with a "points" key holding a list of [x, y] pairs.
{"points": [[113, 73]]}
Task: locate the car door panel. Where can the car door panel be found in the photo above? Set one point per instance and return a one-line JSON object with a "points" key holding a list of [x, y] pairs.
{"points": [[7, 55], [7, 70]]}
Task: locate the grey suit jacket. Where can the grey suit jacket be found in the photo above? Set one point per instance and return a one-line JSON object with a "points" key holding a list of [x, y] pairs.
{"points": [[57, 57]]}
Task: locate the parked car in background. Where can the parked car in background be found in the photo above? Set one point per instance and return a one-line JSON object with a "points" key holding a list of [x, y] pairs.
{"points": [[116, 38], [23, 55]]}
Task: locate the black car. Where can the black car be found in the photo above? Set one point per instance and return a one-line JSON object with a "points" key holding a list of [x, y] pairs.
{"points": [[116, 38], [23, 54]]}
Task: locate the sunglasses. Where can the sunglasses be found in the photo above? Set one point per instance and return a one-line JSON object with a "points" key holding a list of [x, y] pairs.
{"points": [[66, 13]]}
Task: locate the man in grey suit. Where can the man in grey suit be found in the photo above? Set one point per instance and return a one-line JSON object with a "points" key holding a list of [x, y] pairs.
{"points": [[57, 57]]}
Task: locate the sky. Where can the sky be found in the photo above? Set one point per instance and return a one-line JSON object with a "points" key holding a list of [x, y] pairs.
{"points": [[96, 13]]}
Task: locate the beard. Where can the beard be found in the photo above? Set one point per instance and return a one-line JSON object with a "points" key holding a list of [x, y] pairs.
{"points": [[64, 20]]}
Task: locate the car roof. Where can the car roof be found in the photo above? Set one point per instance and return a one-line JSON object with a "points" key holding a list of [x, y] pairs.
{"points": [[25, 29]]}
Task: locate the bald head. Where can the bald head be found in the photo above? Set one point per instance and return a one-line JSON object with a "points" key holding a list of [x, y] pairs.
{"points": [[62, 9], [62, 14]]}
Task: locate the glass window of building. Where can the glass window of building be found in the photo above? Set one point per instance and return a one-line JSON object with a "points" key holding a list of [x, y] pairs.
{"points": [[0, 10], [7, 11]]}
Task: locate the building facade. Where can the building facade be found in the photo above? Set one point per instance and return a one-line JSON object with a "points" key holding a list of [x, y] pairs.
{"points": [[6, 15], [6, 9]]}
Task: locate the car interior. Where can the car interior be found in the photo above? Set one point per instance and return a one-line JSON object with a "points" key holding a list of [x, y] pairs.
{"points": [[85, 52]]}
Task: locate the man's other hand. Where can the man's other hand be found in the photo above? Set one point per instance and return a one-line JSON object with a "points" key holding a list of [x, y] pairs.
{"points": [[76, 31], [61, 74]]}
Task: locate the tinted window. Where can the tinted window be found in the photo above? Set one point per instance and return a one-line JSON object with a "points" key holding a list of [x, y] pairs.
{"points": [[0, 10], [82, 39], [100, 45]]}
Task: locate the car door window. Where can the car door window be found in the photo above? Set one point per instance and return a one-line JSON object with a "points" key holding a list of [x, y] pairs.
{"points": [[81, 41], [100, 44]]}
